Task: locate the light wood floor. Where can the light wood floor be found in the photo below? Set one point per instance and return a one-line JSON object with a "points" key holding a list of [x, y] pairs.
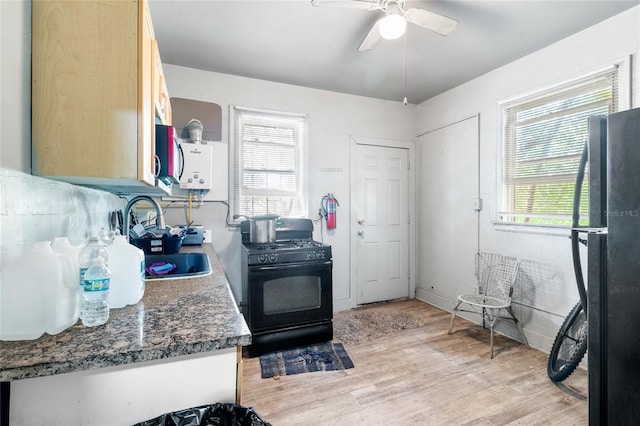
{"points": [[423, 376]]}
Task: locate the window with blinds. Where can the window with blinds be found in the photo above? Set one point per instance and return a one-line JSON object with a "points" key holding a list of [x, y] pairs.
{"points": [[544, 136], [268, 163]]}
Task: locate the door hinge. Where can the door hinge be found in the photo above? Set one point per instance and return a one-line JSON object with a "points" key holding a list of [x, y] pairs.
{"points": [[408, 164]]}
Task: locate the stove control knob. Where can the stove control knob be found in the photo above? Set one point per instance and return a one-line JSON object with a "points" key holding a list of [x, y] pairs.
{"points": [[320, 255], [273, 258], [311, 255], [262, 258]]}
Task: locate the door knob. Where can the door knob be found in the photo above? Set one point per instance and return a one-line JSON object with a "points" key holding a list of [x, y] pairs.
{"points": [[361, 222], [361, 233]]}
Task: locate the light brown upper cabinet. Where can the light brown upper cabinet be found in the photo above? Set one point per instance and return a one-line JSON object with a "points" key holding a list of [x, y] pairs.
{"points": [[93, 94]]}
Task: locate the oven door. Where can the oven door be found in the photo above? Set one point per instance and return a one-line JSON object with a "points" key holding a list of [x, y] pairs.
{"points": [[289, 295]]}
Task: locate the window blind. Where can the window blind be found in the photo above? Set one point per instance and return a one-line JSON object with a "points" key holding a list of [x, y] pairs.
{"points": [[268, 163], [544, 136]]}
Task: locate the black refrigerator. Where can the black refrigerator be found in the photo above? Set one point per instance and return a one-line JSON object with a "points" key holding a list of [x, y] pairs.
{"points": [[613, 269]]}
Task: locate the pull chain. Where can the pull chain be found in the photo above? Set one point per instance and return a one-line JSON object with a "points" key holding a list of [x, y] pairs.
{"points": [[405, 69]]}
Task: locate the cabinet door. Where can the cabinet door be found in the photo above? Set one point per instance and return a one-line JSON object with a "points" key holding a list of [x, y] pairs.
{"points": [[84, 80], [161, 94], [146, 109]]}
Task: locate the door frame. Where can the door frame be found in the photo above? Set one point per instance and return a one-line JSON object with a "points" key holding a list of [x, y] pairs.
{"points": [[411, 193]]}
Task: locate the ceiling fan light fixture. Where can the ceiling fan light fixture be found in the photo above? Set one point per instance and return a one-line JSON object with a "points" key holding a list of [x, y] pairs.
{"points": [[392, 26]]}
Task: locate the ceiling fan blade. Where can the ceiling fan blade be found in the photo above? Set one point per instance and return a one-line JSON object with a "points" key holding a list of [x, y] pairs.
{"points": [[431, 21], [353, 4], [371, 39]]}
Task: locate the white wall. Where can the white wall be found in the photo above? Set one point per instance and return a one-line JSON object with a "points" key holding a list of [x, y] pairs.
{"points": [[15, 85], [547, 289], [333, 118]]}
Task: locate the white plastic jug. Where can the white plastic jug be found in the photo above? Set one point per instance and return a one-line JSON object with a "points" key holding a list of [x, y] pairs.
{"points": [[35, 296], [63, 246], [126, 263]]}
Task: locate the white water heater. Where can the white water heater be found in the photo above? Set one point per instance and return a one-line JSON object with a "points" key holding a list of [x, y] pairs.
{"points": [[198, 170]]}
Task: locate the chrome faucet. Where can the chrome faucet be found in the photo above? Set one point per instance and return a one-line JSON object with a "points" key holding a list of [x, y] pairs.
{"points": [[127, 211]]}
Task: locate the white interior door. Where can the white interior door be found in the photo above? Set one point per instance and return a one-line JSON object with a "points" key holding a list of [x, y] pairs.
{"points": [[448, 183], [382, 266]]}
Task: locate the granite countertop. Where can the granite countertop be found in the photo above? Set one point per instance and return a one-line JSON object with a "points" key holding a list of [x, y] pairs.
{"points": [[175, 317]]}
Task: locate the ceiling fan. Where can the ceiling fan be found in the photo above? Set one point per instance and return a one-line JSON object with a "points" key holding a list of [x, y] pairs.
{"points": [[393, 24]]}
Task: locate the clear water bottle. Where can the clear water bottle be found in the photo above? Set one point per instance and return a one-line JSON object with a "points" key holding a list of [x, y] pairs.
{"points": [[94, 248], [107, 236], [95, 296]]}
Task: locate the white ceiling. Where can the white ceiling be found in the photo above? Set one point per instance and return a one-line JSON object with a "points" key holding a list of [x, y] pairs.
{"points": [[294, 42]]}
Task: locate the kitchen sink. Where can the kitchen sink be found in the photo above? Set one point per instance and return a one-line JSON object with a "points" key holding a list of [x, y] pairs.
{"points": [[188, 265]]}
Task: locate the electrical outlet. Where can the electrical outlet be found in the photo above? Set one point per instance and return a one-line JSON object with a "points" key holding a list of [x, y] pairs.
{"points": [[206, 234]]}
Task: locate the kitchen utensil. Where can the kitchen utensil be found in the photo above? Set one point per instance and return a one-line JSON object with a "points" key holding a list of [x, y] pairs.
{"points": [[263, 228]]}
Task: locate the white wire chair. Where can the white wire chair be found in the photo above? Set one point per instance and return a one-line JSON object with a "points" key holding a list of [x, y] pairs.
{"points": [[496, 277]]}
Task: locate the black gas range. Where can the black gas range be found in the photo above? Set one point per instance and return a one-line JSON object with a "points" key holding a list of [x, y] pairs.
{"points": [[287, 288]]}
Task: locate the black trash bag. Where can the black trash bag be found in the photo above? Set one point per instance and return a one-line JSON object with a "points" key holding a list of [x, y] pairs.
{"points": [[219, 414]]}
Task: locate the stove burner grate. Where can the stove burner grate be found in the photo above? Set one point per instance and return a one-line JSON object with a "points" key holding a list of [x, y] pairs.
{"points": [[283, 245], [306, 243], [264, 246]]}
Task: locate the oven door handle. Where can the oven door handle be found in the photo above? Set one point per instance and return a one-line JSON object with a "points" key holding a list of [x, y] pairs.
{"points": [[286, 266]]}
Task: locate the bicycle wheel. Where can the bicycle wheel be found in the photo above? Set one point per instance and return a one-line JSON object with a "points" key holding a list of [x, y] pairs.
{"points": [[569, 346]]}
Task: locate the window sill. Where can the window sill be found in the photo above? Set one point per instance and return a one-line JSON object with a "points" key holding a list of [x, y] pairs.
{"points": [[547, 230]]}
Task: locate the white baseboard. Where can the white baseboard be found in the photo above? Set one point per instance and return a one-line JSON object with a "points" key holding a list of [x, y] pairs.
{"points": [[434, 299], [342, 305]]}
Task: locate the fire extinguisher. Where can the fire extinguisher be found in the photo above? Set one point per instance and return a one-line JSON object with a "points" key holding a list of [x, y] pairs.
{"points": [[329, 204]]}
